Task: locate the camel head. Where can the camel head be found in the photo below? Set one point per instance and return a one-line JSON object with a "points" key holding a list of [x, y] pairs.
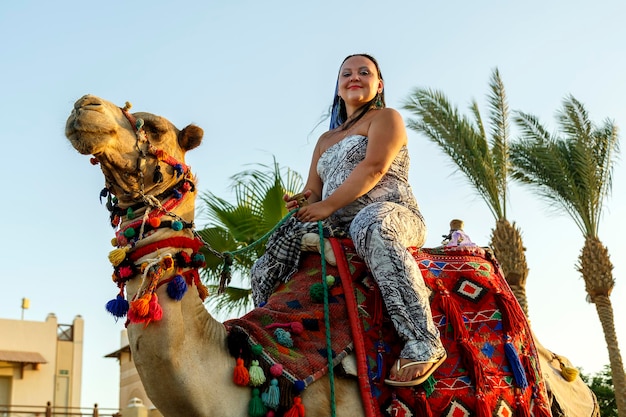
{"points": [[139, 153]]}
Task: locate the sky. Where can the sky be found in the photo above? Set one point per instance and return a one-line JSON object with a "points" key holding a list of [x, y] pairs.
{"points": [[258, 77]]}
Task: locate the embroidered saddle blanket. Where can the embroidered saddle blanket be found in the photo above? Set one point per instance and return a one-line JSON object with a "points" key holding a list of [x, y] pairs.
{"points": [[492, 367]]}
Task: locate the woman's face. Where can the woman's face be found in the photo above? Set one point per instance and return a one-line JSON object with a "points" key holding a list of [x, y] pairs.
{"points": [[358, 82]]}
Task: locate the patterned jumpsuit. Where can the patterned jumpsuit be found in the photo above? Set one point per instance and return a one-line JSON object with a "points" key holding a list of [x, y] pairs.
{"points": [[382, 224]]}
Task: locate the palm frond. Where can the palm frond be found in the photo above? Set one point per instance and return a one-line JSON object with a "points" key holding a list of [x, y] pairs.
{"points": [[458, 138]]}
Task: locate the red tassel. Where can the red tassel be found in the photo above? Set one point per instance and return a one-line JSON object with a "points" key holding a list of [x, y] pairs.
{"points": [[155, 311], [512, 315], [422, 408], [297, 410], [453, 312], [240, 375], [468, 356], [522, 409], [482, 408]]}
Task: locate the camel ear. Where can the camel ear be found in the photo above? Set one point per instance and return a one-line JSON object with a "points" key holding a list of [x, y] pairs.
{"points": [[190, 137]]}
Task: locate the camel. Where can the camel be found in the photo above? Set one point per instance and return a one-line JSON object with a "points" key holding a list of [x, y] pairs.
{"points": [[179, 349]]}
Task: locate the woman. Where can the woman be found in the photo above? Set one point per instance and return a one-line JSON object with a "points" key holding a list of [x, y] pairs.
{"points": [[358, 182]]}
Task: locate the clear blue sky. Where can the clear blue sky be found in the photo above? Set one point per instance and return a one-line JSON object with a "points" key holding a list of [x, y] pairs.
{"points": [[257, 76]]}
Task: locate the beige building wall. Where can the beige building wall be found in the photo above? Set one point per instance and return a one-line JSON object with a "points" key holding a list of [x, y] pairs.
{"points": [[41, 362], [132, 391]]}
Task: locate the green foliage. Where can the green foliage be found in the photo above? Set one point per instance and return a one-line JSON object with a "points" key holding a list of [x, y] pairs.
{"points": [[572, 172], [481, 158], [601, 383], [240, 226]]}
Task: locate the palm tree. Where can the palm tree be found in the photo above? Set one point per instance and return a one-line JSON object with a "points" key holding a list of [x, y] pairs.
{"points": [[573, 173], [241, 228], [484, 161]]}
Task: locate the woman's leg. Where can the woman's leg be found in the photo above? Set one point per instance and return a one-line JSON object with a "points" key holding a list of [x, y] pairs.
{"points": [[381, 233]]}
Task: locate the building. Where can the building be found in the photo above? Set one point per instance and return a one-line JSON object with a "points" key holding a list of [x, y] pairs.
{"points": [[133, 398], [40, 363]]}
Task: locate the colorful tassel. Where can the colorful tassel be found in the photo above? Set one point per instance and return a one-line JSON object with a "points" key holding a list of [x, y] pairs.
{"points": [[241, 376], [272, 397], [257, 377], [482, 408], [256, 407], [177, 288], [521, 409], [422, 408], [155, 312], [141, 306], [516, 365], [116, 256], [118, 307], [569, 373], [297, 410]]}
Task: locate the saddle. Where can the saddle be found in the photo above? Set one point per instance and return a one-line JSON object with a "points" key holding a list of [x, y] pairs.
{"points": [[492, 366]]}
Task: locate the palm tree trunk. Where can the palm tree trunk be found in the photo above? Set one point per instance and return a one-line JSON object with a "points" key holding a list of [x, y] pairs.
{"points": [[605, 313], [507, 245]]}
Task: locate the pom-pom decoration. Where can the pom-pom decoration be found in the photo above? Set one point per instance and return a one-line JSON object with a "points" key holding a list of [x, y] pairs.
{"points": [[177, 288], [118, 307], [317, 292], [116, 256], [283, 337]]}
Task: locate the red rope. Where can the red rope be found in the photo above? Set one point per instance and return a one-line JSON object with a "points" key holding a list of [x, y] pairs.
{"points": [[172, 242]]}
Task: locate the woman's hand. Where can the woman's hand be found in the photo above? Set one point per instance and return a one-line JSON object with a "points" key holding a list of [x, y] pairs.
{"points": [[314, 211], [296, 200]]}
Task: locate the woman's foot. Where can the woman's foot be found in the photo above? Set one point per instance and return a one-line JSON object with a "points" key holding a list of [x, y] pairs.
{"points": [[407, 372]]}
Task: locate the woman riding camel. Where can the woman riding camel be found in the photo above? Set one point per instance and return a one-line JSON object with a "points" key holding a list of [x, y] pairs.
{"points": [[358, 183]]}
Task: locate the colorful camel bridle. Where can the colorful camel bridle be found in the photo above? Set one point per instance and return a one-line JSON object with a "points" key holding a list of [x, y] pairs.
{"points": [[173, 261]]}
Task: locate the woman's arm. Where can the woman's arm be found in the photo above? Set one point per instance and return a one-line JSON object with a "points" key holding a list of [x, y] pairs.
{"points": [[386, 135]]}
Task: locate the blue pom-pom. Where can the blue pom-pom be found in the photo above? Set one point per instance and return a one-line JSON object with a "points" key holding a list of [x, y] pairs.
{"points": [[118, 307], [177, 195], [198, 257], [177, 288], [516, 365], [179, 169], [177, 225], [299, 386]]}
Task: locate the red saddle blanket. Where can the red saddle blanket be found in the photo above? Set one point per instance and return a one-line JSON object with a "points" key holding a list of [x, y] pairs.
{"points": [[492, 367]]}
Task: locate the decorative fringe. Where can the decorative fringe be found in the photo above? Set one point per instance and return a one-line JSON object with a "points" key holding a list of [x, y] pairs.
{"points": [[521, 409], [422, 408], [257, 377], [117, 256], [482, 408], [453, 312], [516, 365], [569, 373], [297, 410], [271, 397], [177, 288], [256, 407], [240, 375], [118, 307], [512, 317]]}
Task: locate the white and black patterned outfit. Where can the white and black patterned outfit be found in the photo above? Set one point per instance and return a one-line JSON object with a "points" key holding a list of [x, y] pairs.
{"points": [[382, 224]]}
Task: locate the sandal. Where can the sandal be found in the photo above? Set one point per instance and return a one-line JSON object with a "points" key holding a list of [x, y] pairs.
{"points": [[436, 363]]}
